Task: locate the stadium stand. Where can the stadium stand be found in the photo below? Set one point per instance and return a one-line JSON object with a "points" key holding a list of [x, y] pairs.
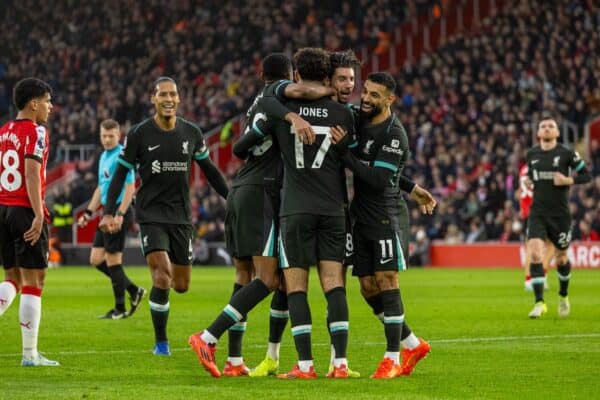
{"points": [[469, 101]]}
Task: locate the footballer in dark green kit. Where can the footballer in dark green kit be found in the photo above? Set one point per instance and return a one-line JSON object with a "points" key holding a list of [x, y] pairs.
{"points": [[162, 149], [550, 169]]}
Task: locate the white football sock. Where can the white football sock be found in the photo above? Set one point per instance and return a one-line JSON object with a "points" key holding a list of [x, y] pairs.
{"points": [[273, 350], [30, 313], [305, 365], [235, 361], [208, 337], [8, 292], [411, 341], [394, 355]]}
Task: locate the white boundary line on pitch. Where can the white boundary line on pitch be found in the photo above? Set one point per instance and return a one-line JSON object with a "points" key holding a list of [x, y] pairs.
{"points": [[433, 341]]}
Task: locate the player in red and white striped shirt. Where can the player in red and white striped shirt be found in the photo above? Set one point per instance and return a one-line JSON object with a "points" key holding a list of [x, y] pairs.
{"points": [[23, 214]]}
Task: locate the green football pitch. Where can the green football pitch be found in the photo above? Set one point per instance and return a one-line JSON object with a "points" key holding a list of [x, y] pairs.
{"points": [[483, 344]]}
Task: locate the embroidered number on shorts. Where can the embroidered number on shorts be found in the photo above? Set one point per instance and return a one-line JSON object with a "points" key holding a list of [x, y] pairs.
{"points": [[387, 250], [564, 238]]}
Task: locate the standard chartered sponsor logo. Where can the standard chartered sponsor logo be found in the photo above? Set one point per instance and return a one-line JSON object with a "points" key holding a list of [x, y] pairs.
{"points": [[546, 175], [156, 167], [168, 166]]}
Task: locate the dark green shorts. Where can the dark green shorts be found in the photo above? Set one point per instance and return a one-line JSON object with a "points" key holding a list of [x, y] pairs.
{"points": [[251, 222], [377, 250], [306, 239], [175, 239], [557, 229]]}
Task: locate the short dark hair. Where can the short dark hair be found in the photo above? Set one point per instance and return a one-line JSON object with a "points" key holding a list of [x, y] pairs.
{"points": [[160, 80], [343, 59], [548, 115], [276, 66], [109, 124], [312, 63], [383, 78], [28, 89]]}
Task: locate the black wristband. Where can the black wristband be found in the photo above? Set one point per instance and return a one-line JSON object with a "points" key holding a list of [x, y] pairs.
{"points": [[89, 212], [119, 213]]}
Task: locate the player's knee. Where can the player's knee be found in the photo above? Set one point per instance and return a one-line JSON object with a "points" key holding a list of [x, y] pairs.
{"points": [[561, 258], [95, 260], [162, 280], [271, 281], [368, 287], [243, 277], [536, 257], [536, 254], [386, 281], [181, 288]]}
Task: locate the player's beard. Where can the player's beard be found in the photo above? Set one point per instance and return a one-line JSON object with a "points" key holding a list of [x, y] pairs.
{"points": [[375, 110]]}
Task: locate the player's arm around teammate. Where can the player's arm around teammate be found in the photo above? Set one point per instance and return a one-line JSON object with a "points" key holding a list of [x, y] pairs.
{"points": [[381, 154]]}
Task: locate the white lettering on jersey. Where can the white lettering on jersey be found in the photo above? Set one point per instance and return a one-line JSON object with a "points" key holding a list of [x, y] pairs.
{"points": [[392, 150], [12, 138], [313, 112], [170, 166]]}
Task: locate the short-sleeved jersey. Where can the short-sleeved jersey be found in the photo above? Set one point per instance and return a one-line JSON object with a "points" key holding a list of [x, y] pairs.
{"points": [[548, 199], [526, 194], [163, 160], [384, 145], [106, 170], [21, 139], [264, 163], [313, 181]]}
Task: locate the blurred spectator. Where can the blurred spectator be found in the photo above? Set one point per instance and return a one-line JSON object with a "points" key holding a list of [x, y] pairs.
{"points": [[419, 254], [585, 232], [476, 232], [453, 235]]}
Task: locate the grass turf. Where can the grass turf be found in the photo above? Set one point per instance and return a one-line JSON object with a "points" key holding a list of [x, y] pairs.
{"points": [[483, 344]]}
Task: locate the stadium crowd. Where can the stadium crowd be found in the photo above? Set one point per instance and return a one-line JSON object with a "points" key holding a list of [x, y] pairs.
{"points": [[103, 55], [469, 107]]}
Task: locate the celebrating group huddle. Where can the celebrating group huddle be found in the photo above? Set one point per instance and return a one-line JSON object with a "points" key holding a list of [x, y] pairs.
{"points": [[288, 209]]}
